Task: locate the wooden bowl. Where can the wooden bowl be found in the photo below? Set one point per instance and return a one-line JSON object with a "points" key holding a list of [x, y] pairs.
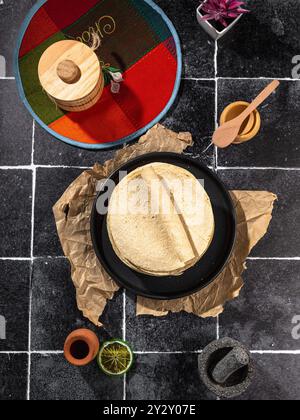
{"points": [[71, 75], [251, 126]]}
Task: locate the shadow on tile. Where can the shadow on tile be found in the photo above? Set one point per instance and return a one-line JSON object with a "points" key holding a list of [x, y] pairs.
{"points": [[282, 239], [166, 377], [263, 43], [262, 316], [54, 310], [276, 378], [174, 332], [14, 305], [13, 377], [15, 209], [52, 378]]}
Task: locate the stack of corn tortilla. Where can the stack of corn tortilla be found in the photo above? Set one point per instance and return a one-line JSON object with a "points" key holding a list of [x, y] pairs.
{"points": [[160, 220]]}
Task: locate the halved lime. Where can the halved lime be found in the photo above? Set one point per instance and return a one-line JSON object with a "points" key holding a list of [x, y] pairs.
{"points": [[115, 357]]}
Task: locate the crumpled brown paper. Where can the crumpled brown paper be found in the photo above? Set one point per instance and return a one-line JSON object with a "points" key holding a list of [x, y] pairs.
{"points": [[254, 213], [93, 285]]}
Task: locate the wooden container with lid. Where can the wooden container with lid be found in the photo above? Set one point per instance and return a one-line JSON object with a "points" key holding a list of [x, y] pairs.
{"points": [[71, 75]]}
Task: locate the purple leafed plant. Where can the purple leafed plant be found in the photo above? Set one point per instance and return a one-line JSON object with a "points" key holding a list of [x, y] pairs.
{"points": [[223, 11]]}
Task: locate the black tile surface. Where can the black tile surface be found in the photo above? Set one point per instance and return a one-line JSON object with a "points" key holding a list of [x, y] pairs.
{"points": [[15, 129], [50, 151], [194, 111], [13, 377], [282, 238], [262, 317], [166, 377], [15, 210], [52, 378], [50, 185], [276, 378], [54, 310], [174, 332], [197, 47], [14, 305], [12, 14], [277, 144], [263, 43]]}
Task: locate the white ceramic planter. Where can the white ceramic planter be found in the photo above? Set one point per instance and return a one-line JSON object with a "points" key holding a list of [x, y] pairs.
{"points": [[210, 29]]}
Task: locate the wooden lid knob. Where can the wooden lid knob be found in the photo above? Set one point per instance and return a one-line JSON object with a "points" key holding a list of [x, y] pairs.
{"points": [[68, 71]]}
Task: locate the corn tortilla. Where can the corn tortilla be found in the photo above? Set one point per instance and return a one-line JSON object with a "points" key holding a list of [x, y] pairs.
{"points": [[160, 220]]}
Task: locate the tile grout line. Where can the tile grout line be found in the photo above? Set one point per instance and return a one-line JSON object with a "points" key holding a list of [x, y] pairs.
{"points": [[215, 147], [288, 352], [31, 258], [256, 168], [124, 339], [223, 168], [41, 352], [169, 352], [218, 327], [273, 258], [45, 257], [216, 151], [29, 334], [278, 352], [282, 79], [60, 352], [216, 103], [216, 94], [207, 79], [124, 386], [32, 166], [62, 257], [210, 79], [199, 79], [124, 315], [15, 259]]}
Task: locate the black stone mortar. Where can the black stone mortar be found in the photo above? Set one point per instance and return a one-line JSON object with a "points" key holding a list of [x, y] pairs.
{"points": [[237, 382]]}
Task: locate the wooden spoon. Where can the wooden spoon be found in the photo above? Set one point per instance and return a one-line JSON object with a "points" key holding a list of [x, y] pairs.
{"points": [[228, 132], [247, 125]]}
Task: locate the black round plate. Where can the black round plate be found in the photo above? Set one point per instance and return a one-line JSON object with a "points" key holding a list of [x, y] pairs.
{"points": [[197, 277]]}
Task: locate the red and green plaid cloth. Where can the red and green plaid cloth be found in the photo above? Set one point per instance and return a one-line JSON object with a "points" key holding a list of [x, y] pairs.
{"points": [[135, 39]]}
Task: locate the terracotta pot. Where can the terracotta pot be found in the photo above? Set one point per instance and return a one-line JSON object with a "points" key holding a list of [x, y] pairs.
{"points": [[251, 126], [81, 347]]}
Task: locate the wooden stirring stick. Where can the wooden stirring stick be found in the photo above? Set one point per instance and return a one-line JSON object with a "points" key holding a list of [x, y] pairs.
{"points": [[228, 132]]}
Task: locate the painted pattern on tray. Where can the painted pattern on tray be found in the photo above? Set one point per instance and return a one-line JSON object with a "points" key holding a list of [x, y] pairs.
{"points": [[134, 38]]}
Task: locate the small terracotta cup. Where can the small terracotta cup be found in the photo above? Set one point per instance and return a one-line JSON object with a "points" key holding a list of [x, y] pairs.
{"points": [[81, 347], [251, 126]]}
